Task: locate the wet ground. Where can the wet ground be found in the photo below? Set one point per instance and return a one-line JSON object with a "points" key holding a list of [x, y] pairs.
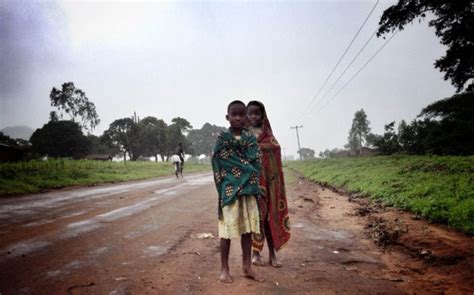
{"points": [[144, 238]]}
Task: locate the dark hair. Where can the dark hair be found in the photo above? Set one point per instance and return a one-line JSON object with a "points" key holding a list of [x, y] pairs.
{"points": [[234, 103], [258, 104]]}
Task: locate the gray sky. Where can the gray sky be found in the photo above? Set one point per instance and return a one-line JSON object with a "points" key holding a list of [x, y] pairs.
{"points": [[190, 59]]}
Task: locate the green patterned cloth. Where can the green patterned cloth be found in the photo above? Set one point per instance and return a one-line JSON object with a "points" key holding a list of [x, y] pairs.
{"points": [[236, 165]]}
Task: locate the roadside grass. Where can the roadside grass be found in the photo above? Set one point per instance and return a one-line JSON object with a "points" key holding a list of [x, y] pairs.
{"points": [[37, 176], [439, 188]]}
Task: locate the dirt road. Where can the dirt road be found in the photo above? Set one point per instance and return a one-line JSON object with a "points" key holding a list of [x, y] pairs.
{"points": [[143, 238]]}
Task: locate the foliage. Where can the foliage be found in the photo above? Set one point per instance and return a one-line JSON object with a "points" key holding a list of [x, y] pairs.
{"points": [[453, 22], [359, 132], [5, 139], [440, 189], [334, 153], [388, 144], [306, 153], [445, 127], [154, 136], [119, 135], [203, 140], [183, 124], [60, 139], [74, 102]]}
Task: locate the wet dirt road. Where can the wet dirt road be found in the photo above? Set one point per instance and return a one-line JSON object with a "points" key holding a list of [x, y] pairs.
{"points": [[142, 238], [55, 242]]}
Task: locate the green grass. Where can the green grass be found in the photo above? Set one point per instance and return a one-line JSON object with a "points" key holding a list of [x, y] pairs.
{"points": [[440, 189], [36, 175]]}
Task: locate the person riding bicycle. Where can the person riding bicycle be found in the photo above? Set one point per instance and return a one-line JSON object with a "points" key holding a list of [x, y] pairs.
{"points": [[178, 159]]}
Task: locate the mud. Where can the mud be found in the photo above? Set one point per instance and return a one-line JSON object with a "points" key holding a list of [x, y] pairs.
{"points": [[152, 237]]}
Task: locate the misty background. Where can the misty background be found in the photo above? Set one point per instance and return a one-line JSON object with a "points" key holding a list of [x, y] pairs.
{"points": [[190, 59]]}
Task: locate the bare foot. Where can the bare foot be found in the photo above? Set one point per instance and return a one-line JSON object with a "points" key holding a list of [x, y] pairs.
{"points": [[275, 262], [225, 277], [257, 259], [251, 274]]}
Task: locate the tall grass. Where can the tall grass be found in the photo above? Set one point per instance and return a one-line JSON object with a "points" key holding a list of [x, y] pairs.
{"points": [[440, 189], [36, 175]]}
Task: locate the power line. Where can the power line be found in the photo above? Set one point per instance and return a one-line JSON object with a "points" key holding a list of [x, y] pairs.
{"points": [[340, 59], [357, 73], [347, 67]]}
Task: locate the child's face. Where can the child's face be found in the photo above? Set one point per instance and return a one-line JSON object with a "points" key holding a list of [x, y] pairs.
{"points": [[237, 116], [255, 115]]}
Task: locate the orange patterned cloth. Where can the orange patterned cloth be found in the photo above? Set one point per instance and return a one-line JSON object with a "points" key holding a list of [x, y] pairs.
{"points": [[273, 205]]}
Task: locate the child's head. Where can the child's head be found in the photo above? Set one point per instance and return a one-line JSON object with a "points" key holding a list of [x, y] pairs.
{"points": [[255, 112], [236, 114]]}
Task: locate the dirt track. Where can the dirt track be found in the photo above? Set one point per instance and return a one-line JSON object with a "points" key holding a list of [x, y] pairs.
{"points": [[141, 238]]}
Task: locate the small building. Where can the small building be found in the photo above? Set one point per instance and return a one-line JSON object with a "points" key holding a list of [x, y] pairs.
{"points": [[99, 157], [10, 153], [367, 152]]}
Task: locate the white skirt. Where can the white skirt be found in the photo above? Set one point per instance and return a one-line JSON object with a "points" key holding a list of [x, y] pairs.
{"points": [[239, 218]]}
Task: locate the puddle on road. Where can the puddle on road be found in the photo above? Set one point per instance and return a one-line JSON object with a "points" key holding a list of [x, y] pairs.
{"points": [[155, 250], [24, 248], [39, 222], [30, 205], [76, 229], [75, 265]]}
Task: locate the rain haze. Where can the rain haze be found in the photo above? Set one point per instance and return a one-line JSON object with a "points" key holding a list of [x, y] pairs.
{"points": [[190, 59]]}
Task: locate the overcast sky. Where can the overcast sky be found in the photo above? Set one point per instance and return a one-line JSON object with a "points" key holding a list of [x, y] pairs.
{"points": [[190, 59]]}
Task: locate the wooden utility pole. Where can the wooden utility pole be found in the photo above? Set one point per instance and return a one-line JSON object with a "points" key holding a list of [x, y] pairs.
{"points": [[298, 138]]}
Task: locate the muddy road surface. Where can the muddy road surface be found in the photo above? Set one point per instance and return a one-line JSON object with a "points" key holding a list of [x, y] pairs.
{"points": [[159, 236]]}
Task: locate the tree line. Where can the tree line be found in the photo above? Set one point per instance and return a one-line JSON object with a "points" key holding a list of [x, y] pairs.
{"points": [[63, 135], [445, 127]]}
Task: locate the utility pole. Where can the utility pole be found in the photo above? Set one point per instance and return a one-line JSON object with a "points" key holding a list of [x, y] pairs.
{"points": [[298, 138]]}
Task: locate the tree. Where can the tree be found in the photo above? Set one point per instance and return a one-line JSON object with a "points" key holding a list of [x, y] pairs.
{"points": [[203, 140], [447, 127], [306, 153], [183, 124], [5, 139], [101, 145], [387, 144], [119, 135], [60, 139], [74, 102], [154, 137], [453, 22], [359, 132]]}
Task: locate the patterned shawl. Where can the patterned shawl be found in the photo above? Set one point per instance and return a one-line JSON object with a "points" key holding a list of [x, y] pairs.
{"points": [[236, 166], [273, 205]]}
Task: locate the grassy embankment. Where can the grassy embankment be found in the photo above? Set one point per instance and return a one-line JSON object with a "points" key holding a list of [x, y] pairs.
{"points": [[36, 176], [440, 189]]}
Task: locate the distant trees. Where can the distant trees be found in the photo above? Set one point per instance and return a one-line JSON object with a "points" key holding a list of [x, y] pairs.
{"points": [[5, 139], [149, 137], [453, 22], [60, 139], [154, 137], [359, 132], [73, 102], [203, 140], [306, 153], [445, 127]]}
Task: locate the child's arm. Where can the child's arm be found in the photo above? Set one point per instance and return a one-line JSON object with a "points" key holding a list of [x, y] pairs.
{"points": [[216, 171]]}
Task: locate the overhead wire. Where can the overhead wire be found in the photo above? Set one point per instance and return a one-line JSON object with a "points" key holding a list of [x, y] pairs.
{"points": [[340, 59]]}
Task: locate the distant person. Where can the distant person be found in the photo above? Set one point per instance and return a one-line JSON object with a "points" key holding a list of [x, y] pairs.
{"points": [[236, 165], [178, 160], [273, 205]]}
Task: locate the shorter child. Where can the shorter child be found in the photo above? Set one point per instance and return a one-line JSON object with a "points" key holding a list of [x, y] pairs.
{"points": [[236, 166]]}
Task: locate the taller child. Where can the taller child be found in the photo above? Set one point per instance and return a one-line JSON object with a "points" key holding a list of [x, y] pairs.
{"points": [[236, 166]]}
